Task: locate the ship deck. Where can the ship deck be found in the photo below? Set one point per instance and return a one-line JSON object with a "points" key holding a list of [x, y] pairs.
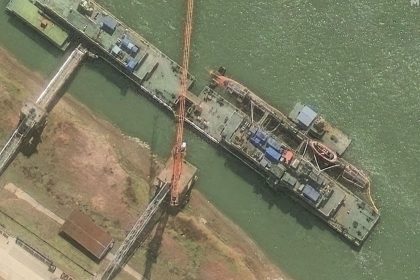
{"points": [[32, 16], [341, 209], [154, 69], [333, 137], [215, 115]]}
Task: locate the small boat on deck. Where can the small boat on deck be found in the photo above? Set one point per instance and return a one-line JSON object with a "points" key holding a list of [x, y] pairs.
{"points": [[323, 151]]}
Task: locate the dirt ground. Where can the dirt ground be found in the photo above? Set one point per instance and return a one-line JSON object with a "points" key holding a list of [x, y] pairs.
{"points": [[86, 163]]}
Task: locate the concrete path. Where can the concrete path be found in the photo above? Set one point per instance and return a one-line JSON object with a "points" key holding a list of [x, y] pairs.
{"points": [[35, 204]]}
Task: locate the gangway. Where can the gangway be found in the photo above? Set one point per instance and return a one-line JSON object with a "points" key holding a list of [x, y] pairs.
{"points": [[12, 146], [123, 251], [33, 115], [48, 96]]}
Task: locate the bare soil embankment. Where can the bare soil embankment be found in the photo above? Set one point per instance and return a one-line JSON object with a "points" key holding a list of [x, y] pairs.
{"points": [[86, 163]]}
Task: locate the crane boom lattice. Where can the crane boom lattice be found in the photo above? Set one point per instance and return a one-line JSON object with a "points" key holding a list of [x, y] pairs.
{"points": [[177, 152]]}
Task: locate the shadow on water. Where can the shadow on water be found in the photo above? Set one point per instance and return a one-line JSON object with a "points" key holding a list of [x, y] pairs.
{"points": [[280, 200], [34, 36], [111, 74]]}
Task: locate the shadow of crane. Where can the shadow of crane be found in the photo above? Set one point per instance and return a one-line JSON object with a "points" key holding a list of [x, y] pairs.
{"points": [[153, 167], [154, 245]]}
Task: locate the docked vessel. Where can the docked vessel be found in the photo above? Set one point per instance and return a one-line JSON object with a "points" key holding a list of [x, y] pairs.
{"points": [[300, 154]]}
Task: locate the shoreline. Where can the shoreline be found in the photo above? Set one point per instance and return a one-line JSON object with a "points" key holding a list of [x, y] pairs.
{"points": [[210, 228]]}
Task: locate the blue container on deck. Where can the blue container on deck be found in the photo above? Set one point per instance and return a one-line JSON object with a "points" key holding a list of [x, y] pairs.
{"points": [[272, 155]]}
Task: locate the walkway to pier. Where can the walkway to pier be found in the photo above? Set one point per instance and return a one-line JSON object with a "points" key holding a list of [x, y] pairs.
{"points": [[133, 236], [47, 98], [33, 115]]}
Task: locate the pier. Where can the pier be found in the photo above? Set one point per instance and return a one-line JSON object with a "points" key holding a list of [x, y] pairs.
{"points": [[33, 115]]}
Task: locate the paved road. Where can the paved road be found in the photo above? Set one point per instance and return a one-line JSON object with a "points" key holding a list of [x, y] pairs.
{"points": [[18, 264]]}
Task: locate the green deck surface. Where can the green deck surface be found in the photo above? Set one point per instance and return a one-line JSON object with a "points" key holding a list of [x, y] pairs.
{"points": [[164, 80], [30, 13]]}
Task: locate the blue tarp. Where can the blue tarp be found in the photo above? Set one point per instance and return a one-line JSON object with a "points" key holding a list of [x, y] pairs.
{"points": [[311, 193], [272, 155], [306, 116]]}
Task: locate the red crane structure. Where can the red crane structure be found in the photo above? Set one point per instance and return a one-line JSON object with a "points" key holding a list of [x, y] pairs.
{"points": [[178, 150]]}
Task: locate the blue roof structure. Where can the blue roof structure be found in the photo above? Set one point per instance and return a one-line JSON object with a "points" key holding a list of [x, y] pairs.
{"points": [[109, 24], [135, 49], [306, 116], [274, 144], [311, 193], [129, 46], [261, 135], [272, 155], [255, 141], [132, 64]]}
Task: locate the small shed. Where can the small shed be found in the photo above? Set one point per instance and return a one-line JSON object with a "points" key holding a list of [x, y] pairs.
{"points": [[115, 51], [311, 193], [132, 64], [306, 116], [261, 135], [108, 24], [274, 144], [129, 46], [81, 229], [289, 180], [272, 155]]}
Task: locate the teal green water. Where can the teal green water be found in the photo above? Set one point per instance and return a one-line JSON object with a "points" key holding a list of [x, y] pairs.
{"points": [[356, 61]]}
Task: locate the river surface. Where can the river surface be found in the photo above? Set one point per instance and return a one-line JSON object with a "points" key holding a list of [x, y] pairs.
{"points": [[358, 62]]}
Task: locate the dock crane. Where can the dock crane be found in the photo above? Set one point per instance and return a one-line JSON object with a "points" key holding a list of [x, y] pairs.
{"points": [[178, 150], [178, 153]]}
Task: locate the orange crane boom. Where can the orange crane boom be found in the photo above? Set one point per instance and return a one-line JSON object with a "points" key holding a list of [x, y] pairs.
{"points": [[177, 151]]}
